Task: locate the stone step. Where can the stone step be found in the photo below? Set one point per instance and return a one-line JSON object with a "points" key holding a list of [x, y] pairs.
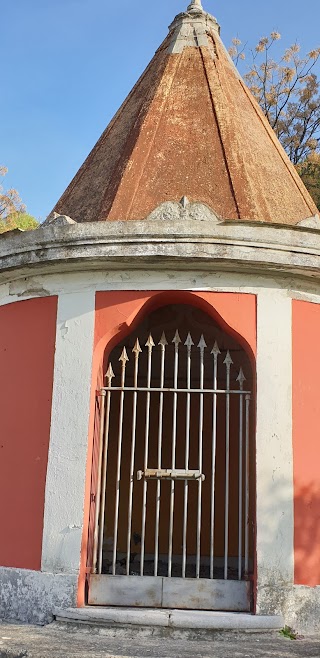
{"points": [[144, 618]]}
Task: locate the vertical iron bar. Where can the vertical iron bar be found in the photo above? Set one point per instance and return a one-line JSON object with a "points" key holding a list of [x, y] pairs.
{"points": [[110, 375], [163, 343], [246, 551], [149, 344], [202, 345], [241, 379], [189, 343], [215, 352], [124, 359], [102, 396], [137, 351], [228, 361], [176, 341]]}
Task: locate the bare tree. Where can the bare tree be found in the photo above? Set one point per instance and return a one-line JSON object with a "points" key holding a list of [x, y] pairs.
{"points": [[12, 211], [10, 201], [287, 90]]}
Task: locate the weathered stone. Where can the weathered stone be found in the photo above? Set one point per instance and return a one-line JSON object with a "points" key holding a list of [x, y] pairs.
{"points": [[81, 641], [312, 222], [170, 618], [299, 605], [192, 29], [14, 231], [227, 246], [30, 596], [180, 212], [57, 220]]}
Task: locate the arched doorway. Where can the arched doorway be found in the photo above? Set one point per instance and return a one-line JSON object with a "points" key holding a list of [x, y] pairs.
{"points": [[175, 497]]}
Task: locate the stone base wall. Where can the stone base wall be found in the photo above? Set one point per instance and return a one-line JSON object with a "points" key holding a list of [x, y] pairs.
{"points": [[299, 605], [31, 596]]}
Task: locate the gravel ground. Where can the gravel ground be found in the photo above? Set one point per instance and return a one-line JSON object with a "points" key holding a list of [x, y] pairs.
{"points": [[81, 641]]}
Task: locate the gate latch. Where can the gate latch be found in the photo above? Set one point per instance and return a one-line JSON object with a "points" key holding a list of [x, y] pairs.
{"points": [[169, 474]]}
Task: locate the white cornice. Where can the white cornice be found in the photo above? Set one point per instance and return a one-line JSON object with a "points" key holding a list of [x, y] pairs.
{"points": [[237, 246]]}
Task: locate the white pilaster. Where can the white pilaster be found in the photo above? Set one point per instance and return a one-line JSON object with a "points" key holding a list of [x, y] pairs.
{"points": [[274, 453], [65, 485]]}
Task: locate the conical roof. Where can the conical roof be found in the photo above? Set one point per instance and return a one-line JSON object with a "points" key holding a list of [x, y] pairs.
{"points": [[190, 127]]}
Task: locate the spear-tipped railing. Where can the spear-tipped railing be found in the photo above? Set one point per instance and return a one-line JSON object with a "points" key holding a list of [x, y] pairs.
{"points": [[124, 360], [163, 344], [150, 345], [215, 352], [176, 341], [136, 351], [202, 346], [189, 344], [102, 474], [207, 365]]}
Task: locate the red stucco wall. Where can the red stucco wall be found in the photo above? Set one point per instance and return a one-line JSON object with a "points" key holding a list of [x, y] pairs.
{"points": [[306, 441], [116, 312], [27, 344]]}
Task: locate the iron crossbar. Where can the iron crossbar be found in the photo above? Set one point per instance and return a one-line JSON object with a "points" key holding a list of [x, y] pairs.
{"points": [[145, 389]]}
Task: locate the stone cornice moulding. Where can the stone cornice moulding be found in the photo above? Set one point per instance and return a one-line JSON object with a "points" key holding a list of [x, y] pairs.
{"points": [[182, 211], [238, 246], [311, 222], [57, 220]]}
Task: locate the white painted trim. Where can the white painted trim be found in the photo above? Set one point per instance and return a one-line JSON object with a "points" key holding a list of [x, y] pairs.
{"points": [[274, 452], [151, 279], [65, 485]]}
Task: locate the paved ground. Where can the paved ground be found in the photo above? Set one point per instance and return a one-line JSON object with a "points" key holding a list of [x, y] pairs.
{"points": [[70, 641]]}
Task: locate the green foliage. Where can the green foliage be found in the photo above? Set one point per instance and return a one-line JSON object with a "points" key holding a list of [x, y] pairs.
{"points": [[13, 213], [18, 220], [309, 170], [289, 633], [10, 201]]}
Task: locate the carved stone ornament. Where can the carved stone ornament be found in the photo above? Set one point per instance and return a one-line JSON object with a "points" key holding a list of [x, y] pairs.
{"points": [[54, 219], [311, 222], [184, 210]]}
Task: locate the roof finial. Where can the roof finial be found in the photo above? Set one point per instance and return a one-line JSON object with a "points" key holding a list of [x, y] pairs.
{"points": [[195, 5]]}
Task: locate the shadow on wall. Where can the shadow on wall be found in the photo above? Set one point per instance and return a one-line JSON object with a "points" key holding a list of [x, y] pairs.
{"points": [[275, 540], [299, 604], [307, 535]]}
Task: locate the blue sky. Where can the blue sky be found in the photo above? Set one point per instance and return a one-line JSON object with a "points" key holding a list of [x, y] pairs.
{"points": [[68, 64]]}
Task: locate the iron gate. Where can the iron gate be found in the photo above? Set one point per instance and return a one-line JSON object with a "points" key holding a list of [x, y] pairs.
{"points": [[191, 396]]}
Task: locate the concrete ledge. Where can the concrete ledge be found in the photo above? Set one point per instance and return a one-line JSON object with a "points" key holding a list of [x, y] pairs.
{"points": [[223, 620], [233, 245], [180, 619]]}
